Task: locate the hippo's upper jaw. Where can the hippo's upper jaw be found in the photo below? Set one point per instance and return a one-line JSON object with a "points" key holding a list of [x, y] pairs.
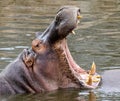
{"points": [[64, 23], [54, 61]]}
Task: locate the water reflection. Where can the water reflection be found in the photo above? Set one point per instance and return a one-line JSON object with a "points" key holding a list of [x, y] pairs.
{"points": [[87, 95], [66, 95], [63, 96], [97, 38]]}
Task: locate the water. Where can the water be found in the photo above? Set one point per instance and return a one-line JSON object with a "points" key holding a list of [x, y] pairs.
{"points": [[97, 39]]}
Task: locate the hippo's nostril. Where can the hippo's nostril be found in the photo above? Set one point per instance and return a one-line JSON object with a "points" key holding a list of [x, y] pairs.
{"points": [[28, 52], [79, 10]]}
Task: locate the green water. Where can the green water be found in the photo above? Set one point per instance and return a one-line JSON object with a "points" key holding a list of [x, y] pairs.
{"points": [[97, 39]]}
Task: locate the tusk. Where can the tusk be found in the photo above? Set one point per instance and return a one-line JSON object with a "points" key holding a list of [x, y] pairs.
{"points": [[79, 17], [89, 82], [73, 32], [93, 69]]}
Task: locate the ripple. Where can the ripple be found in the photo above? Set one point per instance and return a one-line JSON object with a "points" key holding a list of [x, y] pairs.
{"points": [[110, 68], [7, 49], [5, 58], [21, 47]]}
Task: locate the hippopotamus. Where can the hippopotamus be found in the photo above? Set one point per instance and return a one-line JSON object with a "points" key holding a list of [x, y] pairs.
{"points": [[48, 64], [110, 81]]}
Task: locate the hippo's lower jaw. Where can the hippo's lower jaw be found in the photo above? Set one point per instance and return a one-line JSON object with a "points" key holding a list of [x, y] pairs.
{"points": [[79, 75]]}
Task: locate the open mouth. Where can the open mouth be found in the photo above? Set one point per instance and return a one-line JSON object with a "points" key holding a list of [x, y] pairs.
{"points": [[89, 79]]}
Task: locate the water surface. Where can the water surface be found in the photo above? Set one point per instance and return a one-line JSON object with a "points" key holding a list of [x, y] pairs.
{"points": [[97, 39]]}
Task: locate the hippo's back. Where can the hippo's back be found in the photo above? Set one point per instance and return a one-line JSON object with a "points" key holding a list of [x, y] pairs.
{"points": [[111, 81]]}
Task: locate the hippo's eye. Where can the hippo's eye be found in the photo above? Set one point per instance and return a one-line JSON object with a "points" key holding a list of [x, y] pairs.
{"points": [[58, 20]]}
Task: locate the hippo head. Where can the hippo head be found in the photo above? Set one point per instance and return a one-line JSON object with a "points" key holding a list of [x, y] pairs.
{"points": [[64, 23], [54, 66]]}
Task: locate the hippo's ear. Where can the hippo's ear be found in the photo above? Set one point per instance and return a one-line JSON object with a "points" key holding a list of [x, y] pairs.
{"points": [[28, 57], [37, 34]]}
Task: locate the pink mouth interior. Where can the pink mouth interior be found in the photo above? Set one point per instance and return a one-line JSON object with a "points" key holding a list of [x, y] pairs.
{"points": [[75, 68], [77, 71]]}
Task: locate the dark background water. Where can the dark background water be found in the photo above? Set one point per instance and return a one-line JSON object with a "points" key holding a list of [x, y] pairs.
{"points": [[97, 39]]}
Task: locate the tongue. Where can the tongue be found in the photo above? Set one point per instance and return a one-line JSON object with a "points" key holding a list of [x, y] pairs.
{"points": [[73, 66]]}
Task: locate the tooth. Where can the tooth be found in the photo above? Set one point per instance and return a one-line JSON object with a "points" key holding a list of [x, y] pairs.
{"points": [[89, 82], [98, 76], [96, 80], [73, 32], [93, 69], [79, 17]]}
